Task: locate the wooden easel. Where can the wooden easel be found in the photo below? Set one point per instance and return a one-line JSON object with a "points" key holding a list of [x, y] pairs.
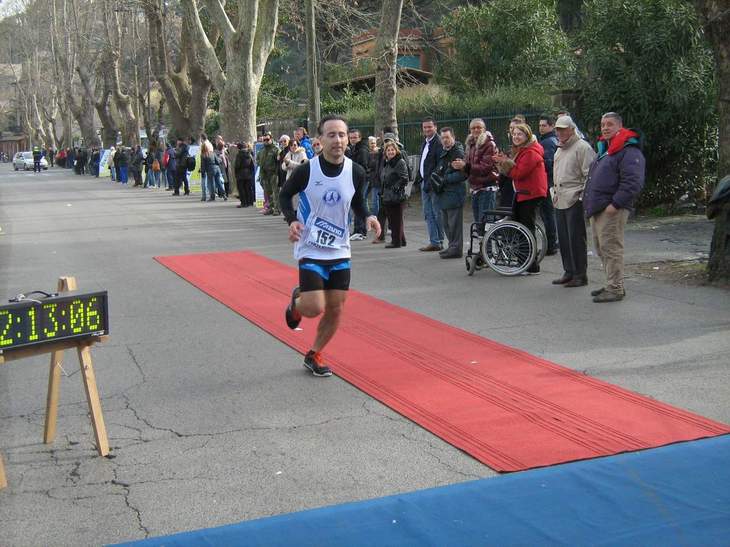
{"points": [[83, 349]]}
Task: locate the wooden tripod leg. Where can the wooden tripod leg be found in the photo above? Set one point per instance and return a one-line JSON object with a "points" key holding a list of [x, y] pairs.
{"points": [[3, 480], [92, 397], [65, 284], [54, 379]]}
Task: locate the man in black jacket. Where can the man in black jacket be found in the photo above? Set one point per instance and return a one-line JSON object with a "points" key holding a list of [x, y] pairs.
{"points": [[358, 152], [430, 153]]}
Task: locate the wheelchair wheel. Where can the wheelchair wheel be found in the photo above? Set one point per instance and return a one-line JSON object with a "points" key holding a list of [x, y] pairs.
{"points": [[508, 248], [540, 241]]}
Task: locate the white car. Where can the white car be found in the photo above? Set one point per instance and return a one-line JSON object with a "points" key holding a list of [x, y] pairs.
{"points": [[24, 161]]}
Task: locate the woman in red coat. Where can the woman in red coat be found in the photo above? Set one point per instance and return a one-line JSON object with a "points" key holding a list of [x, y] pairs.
{"points": [[527, 171]]}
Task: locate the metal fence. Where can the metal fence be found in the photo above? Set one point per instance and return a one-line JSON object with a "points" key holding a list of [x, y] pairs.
{"points": [[411, 135]]}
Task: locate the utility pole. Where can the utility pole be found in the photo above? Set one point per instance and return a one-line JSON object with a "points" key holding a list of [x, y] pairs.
{"points": [[313, 102]]}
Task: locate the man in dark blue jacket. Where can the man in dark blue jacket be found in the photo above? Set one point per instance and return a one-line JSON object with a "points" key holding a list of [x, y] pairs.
{"points": [[549, 141], [614, 180], [430, 153]]}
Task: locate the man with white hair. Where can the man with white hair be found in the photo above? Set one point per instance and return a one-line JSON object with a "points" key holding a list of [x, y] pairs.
{"points": [[573, 159]]}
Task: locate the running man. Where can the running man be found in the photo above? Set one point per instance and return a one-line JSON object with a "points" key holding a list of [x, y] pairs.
{"points": [[327, 186]]}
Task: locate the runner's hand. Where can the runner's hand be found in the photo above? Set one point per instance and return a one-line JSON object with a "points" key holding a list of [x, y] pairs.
{"points": [[374, 225], [295, 231]]}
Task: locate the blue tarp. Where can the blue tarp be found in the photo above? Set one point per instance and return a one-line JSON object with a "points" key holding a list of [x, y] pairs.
{"points": [[675, 495]]}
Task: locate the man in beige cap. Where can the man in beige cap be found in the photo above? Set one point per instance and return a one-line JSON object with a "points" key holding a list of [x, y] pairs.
{"points": [[572, 162]]}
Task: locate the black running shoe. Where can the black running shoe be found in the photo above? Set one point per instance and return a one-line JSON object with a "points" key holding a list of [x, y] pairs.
{"points": [[293, 317], [313, 361]]}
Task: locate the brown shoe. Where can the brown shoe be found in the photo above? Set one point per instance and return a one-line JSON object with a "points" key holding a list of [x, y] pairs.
{"points": [[598, 291], [609, 296], [562, 280], [431, 247], [577, 282], [376, 241]]}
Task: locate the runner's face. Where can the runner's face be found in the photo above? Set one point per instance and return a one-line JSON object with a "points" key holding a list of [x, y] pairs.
{"points": [[334, 140]]}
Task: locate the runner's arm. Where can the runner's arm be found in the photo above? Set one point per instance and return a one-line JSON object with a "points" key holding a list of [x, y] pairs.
{"points": [[296, 183]]}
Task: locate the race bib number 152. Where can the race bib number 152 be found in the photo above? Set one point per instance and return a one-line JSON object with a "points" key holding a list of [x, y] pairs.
{"points": [[324, 234]]}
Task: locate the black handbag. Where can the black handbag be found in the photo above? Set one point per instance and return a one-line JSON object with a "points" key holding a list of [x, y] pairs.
{"points": [[437, 182]]}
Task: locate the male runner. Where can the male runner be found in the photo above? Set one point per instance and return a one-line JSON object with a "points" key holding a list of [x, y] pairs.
{"points": [[327, 186]]}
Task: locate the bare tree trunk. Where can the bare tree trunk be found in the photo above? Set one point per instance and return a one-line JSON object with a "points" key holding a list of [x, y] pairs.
{"points": [[312, 72], [129, 122], [386, 55], [715, 17], [247, 48], [103, 103], [185, 88]]}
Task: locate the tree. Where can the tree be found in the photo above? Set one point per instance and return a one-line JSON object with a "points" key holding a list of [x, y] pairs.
{"points": [[386, 56], [247, 42], [122, 100], [715, 18], [312, 62], [185, 86], [649, 61], [506, 42]]}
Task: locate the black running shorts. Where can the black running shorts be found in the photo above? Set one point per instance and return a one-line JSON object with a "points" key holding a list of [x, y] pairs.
{"points": [[316, 276]]}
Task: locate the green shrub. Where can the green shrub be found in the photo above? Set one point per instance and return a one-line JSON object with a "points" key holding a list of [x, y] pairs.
{"points": [[506, 43], [649, 61]]}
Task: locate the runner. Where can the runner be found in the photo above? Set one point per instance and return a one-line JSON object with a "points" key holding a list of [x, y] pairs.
{"points": [[327, 186]]}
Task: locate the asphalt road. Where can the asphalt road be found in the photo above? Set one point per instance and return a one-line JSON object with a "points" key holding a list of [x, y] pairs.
{"points": [[212, 421]]}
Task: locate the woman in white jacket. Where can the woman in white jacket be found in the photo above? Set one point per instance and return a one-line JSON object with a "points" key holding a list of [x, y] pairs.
{"points": [[295, 157]]}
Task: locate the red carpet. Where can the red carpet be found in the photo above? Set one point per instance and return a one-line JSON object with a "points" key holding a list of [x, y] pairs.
{"points": [[506, 408]]}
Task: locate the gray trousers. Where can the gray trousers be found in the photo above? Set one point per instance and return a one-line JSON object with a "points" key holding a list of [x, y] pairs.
{"points": [[453, 222], [572, 239]]}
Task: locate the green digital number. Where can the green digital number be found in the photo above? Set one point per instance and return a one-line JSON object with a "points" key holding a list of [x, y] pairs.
{"points": [[4, 341], [92, 315], [76, 316], [52, 332], [33, 328]]}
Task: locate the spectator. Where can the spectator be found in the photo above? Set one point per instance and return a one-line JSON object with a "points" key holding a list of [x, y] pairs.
{"points": [[573, 159], [452, 194], [614, 181], [224, 187], [284, 141], [294, 156], [527, 171], [123, 169], [479, 166], [245, 171], [300, 134], [373, 192], [283, 151], [135, 164], [210, 164], [268, 162], [549, 143], [317, 147], [110, 163], [357, 151], [430, 154], [181, 176], [170, 166], [394, 179]]}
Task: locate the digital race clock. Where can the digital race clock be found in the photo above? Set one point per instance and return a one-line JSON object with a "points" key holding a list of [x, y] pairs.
{"points": [[38, 321]]}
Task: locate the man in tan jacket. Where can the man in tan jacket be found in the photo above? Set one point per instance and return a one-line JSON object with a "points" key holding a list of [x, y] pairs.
{"points": [[573, 159]]}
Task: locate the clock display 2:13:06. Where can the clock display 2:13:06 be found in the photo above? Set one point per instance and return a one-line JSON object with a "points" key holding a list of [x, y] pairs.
{"points": [[34, 322]]}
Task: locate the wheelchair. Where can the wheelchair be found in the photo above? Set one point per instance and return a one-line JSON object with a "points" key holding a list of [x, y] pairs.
{"points": [[504, 245]]}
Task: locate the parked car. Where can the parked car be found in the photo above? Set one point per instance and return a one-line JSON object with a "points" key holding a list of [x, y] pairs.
{"points": [[24, 161]]}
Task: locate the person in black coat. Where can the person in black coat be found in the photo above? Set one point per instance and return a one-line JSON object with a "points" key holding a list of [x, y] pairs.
{"points": [[394, 177], [244, 168]]}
